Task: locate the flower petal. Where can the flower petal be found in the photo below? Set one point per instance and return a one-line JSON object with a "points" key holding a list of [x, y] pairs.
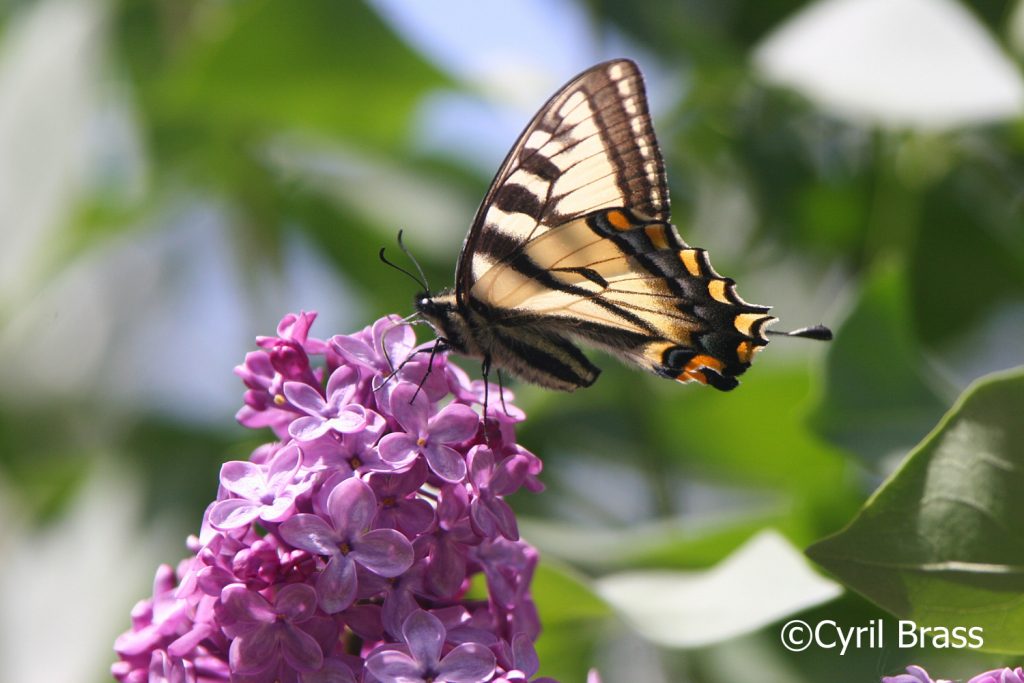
{"points": [[304, 397], [283, 466], [455, 423], [351, 507], [349, 420], [412, 414], [412, 517], [254, 652], [296, 601], [233, 513], [332, 671], [300, 649], [391, 665], [243, 610], [354, 350], [503, 516], [279, 510], [481, 465], [445, 462], [336, 586], [243, 478], [385, 552], [310, 533], [467, 663], [395, 336], [424, 634], [341, 385], [308, 428], [398, 449]]}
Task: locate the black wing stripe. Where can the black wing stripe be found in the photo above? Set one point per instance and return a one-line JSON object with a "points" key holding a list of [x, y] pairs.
{"points": [[513, 198], [540, 166]]}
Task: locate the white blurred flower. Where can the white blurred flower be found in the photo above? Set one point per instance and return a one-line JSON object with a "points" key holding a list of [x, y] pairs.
{"points": [[924, 64], [49, 73], [73, 581]]}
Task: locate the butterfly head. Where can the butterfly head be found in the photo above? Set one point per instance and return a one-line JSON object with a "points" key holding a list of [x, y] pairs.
{"points": [[445, 315]]}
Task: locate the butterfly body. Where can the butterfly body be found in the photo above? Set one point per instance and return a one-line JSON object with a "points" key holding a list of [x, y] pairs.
{"points": [[573, 244]]}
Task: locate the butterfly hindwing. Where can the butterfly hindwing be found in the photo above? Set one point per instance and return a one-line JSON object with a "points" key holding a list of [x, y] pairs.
{"points": [[573, 243]]}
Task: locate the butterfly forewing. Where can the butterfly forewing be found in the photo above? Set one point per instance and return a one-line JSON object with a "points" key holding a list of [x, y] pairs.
{"points": [[573, 242], [590, 147]]}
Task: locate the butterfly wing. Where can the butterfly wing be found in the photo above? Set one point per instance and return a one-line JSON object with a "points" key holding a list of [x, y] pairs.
{"points": [[590, 146], [573, 241]]}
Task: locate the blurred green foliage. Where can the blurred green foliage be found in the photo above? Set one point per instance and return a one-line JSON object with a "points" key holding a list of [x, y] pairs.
{"points": [[908, 244]]}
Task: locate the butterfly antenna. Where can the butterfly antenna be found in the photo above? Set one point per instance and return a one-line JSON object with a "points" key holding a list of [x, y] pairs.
{"points": [[421, 281], [423, 278], [816, 332]]}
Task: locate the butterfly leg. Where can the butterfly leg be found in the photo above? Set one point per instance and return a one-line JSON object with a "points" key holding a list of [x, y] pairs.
{"points": [[501, 393], [440, 345], [485, 371]]}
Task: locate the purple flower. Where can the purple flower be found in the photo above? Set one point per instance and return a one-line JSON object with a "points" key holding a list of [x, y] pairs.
{"points": [[915, 674], [399, 507], [166, 669], [380, 348], [1005, 675], [430, 436], [447, 546], [154, 621], [266, 492], [489, 512], [399, 595], [344, 552], [266, 634], [346, 539], [294, 330], [520, 660], [322, 416], [333, 671], [264, 400], [348, 453], [498, 399], [421, 661]]}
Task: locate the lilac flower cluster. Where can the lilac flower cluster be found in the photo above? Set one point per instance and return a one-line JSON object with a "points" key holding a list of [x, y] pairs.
{"points": [[345, 550], [916, 674]]}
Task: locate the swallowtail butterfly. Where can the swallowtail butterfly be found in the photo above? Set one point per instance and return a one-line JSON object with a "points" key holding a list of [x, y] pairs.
{"points": [[573, 243]]}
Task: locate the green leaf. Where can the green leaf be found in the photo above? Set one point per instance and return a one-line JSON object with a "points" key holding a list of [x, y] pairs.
{"points": [[319, 65], [762, 582], [942, 541], [573, 617], [756, 435], [877, 398], [675, 543], [970, 257]]}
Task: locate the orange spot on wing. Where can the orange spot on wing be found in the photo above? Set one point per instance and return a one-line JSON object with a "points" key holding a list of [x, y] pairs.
{"points": [[718, 291], [705, 361], [745, 322], [745, 352], [690, 261], [694, 376], [692, 371], [656, 234], [619, 220]]}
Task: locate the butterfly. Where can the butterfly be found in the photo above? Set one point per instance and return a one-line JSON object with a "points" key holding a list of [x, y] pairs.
{"points": [[573, 243]]}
